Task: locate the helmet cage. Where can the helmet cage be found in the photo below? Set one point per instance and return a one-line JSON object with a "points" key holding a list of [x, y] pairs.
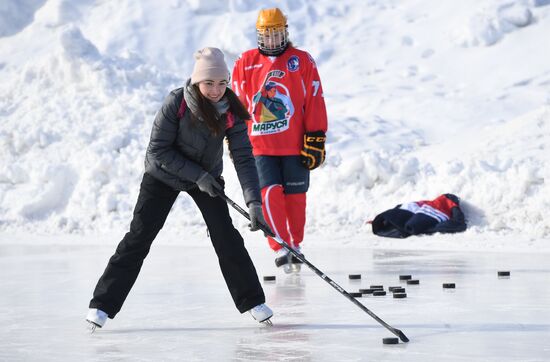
{"points": [[272, 41]]}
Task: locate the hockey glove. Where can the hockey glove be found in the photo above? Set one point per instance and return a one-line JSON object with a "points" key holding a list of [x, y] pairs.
{"points": [[257, 217], [313, 153], [207, 183]]}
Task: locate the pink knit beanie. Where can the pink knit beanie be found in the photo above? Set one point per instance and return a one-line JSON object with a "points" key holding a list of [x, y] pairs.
{"points": [[209, 64]]}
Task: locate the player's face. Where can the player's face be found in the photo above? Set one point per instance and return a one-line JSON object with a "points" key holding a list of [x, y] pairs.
{"points": [[213, 89], [273, 38]]}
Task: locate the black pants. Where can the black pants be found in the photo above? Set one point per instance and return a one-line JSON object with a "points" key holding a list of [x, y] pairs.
{"points": [[153, 205]]}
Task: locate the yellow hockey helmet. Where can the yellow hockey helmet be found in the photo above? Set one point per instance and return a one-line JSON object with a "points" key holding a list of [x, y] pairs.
{"points": [[270, 18], [272, 31]]}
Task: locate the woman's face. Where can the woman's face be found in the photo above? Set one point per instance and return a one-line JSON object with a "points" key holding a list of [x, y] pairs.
{"points": [[213, 89]]}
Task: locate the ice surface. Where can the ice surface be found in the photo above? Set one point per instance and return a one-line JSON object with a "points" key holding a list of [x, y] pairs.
{"points": [[180, 309]]}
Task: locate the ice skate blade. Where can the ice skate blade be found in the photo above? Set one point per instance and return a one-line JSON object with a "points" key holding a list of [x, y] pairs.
{"points": [[92, 326], [267, 322], [292, 268], [296, 268], [287, 268]]}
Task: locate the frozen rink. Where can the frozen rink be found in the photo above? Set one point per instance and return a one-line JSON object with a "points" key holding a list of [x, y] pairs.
{"points": [[180, 309]]}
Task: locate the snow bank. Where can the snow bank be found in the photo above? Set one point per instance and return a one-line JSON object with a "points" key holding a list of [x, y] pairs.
{"points": [[490, 25], [498, 172], [75, 129], [15, 15], [423, 99]]}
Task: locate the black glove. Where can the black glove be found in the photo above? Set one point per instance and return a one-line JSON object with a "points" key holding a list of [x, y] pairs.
{"points": [[257, 218], [207, 183], [313, 153]]}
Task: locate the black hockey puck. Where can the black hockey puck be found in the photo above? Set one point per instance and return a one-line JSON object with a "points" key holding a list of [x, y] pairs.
{"points": [[366, 291], [400, 295], [356, 294], [390, 340], [405, 277], [379, 292], [413, 281], [377, 287], [392, 288], [449, 285], [398, 290], [269, 278], [503, 273], [355, 276]]}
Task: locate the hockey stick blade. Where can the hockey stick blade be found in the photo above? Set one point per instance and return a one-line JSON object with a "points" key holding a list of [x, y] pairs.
{"points": [[401, 335]]}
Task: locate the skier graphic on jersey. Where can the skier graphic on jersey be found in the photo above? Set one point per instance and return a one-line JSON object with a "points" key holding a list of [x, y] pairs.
{"points": [[272, 111]]}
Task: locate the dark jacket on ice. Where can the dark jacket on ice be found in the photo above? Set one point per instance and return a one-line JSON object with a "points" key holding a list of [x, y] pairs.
{"points": [[442, 214], [181, 147]]}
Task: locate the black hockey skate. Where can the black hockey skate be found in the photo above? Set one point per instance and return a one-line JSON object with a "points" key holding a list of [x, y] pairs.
{"points": [[288, 261]]}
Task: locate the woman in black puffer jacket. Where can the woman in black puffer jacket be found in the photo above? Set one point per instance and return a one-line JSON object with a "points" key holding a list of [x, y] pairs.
{"points": [[185, 154]]}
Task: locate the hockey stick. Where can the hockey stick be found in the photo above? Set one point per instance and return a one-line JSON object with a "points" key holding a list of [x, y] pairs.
{"points": [[281, 242]]}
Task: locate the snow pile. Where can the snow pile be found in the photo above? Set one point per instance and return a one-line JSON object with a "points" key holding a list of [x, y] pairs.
{"points": [[15, 15], [74, 135], [491, 24], [423, 99], [502, 182]]}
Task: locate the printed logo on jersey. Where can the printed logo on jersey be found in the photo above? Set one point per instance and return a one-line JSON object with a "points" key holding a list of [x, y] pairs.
{"points": [[254, 66], [272, 107], [293, 63]]}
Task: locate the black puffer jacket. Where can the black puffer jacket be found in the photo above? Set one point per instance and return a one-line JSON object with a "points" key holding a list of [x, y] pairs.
{"points": [[180, 149]]}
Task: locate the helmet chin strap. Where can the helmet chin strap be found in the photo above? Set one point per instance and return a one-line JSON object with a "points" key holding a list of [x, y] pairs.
{"points": [[273, 53]]}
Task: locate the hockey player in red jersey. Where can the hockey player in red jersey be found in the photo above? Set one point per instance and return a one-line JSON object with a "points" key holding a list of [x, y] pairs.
{"points": [[281, 87]]}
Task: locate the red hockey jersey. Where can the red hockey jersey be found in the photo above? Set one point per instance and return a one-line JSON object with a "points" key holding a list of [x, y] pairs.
{"points": [[284, 96]]}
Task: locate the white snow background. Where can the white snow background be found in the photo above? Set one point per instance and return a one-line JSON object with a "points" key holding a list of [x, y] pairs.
{"points": [[424, 98]]}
